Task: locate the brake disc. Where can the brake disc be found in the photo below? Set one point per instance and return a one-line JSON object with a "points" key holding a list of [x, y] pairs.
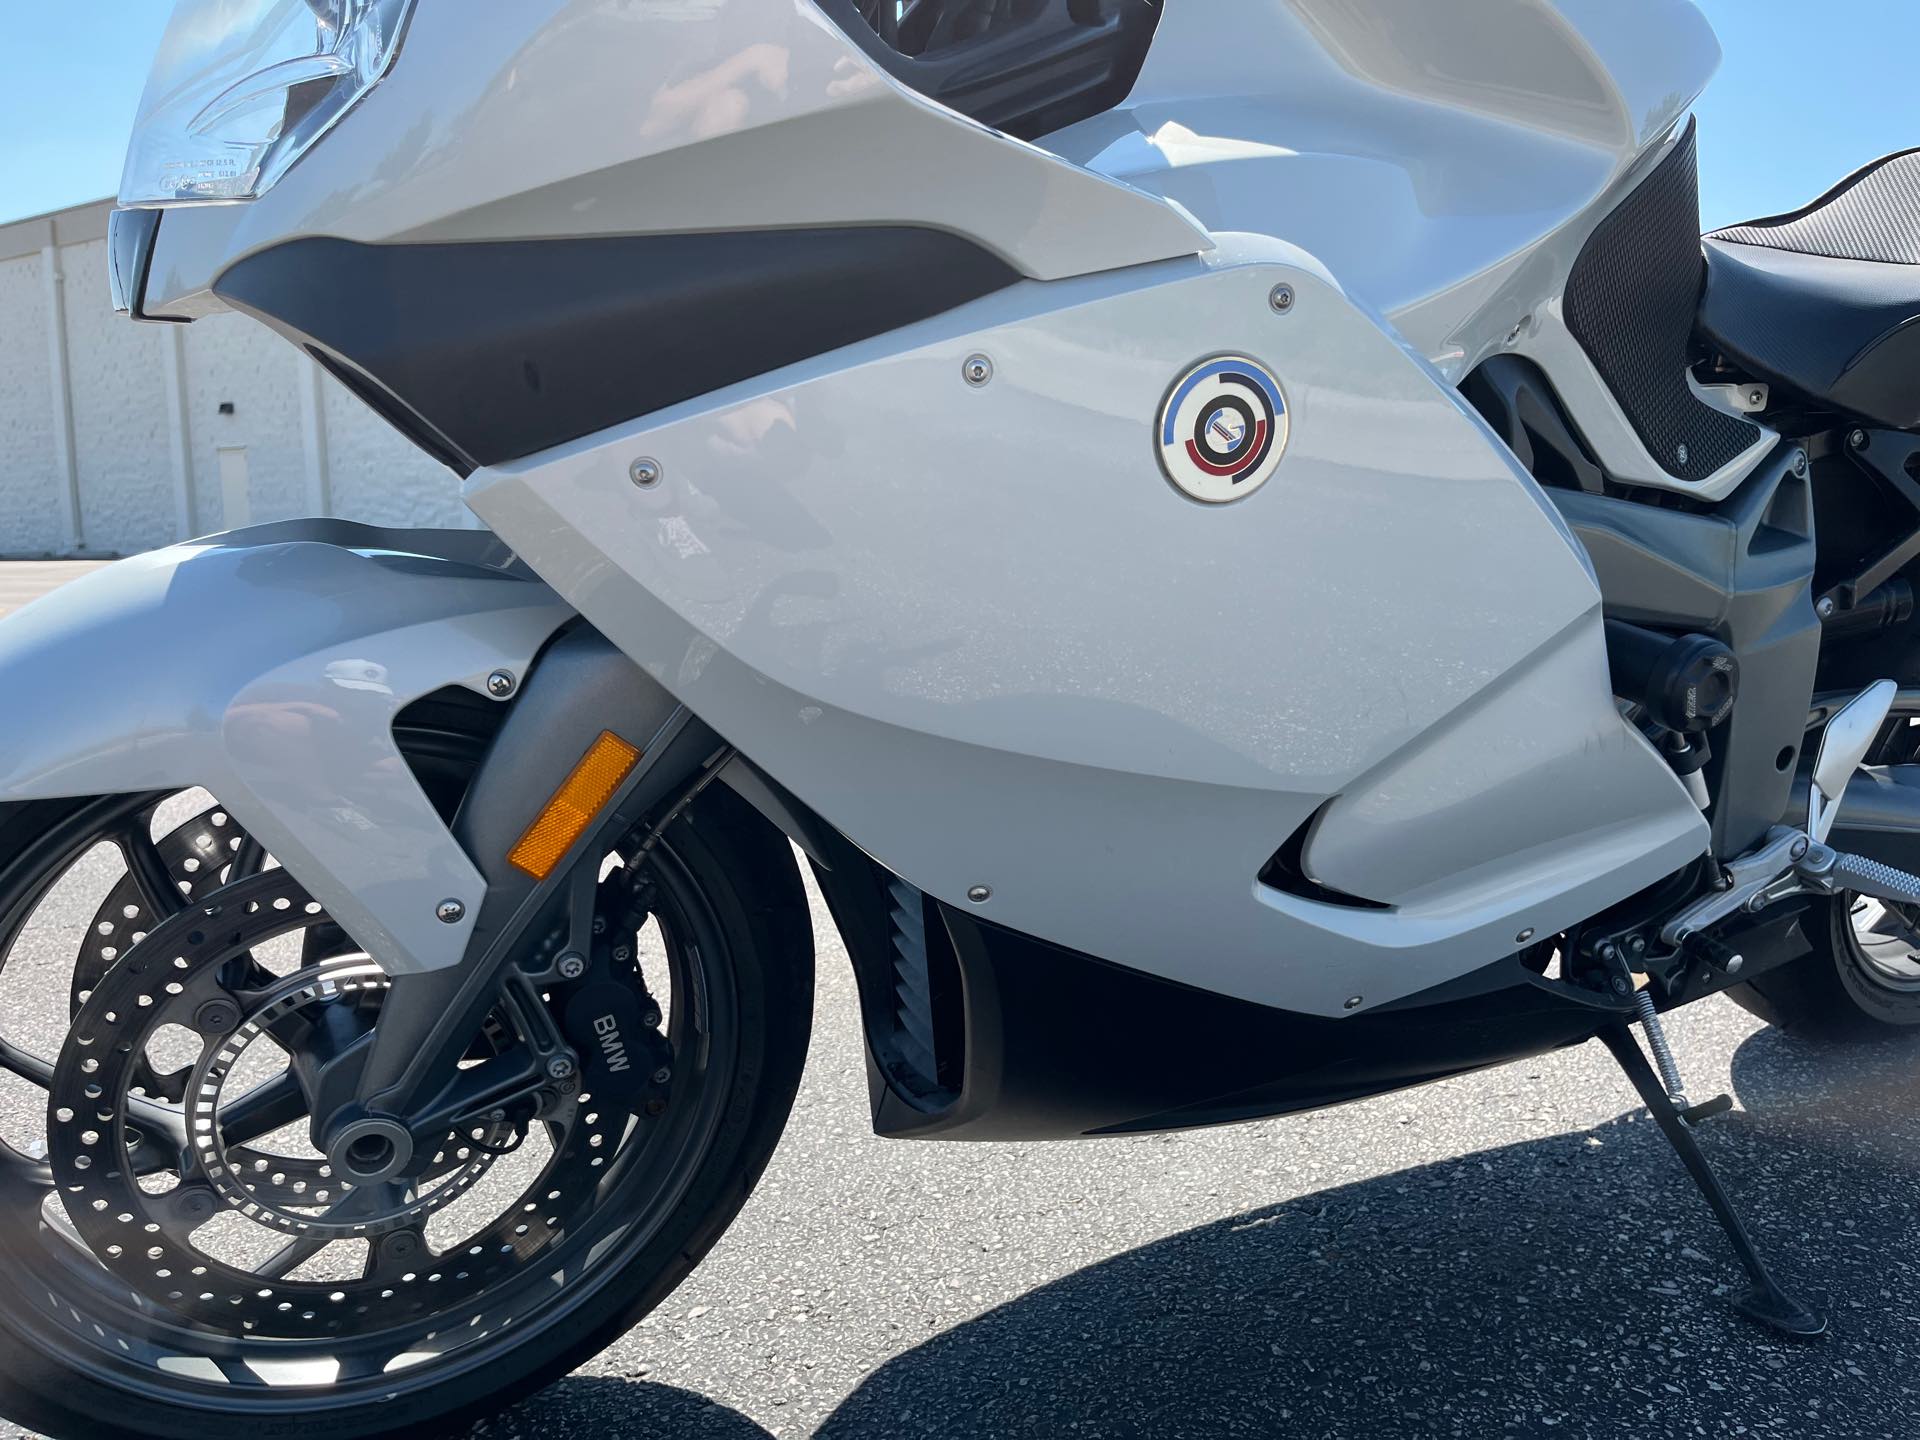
{"points": [[197, 856], [149, 1217]]}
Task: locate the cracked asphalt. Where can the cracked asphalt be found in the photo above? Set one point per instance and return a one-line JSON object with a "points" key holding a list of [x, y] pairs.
{"points": [[1511, 1253]]}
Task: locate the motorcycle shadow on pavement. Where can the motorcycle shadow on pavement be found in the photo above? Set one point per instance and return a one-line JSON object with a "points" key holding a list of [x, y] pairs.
{"points": [[1571, 1285]]}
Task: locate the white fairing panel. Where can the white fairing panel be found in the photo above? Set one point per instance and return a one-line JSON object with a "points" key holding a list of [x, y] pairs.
{"points": [[977, 629], [1445, 158], [517, 119], [267, 665]]}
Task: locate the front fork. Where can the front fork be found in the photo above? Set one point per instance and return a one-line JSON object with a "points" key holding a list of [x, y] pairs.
{"points": [[407, 1088]]}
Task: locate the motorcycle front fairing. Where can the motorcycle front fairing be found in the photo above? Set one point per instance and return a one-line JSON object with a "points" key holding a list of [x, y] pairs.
{"points": [[930, 576]]}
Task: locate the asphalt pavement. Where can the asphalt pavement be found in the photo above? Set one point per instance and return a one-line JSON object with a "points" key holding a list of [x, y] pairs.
{"points": [[1511, 1253]]}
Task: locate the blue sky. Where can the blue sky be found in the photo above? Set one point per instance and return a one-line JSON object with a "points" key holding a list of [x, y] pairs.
{"points": [[1811, 89]]}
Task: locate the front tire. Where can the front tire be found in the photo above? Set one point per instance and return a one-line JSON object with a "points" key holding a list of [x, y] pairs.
{"points": [[737, 895]]}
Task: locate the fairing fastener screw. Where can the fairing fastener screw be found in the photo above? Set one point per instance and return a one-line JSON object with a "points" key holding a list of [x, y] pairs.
{"points": [[572, 966], [1824, 607], [450, 912], [1354, 1002], [1756, 398], [1523, 936], [980, 894], [662, 1075], [1281, 299], [978, 369], [1857, 439], [646, 472], [1800, 462], [501, 684], [560, 1067]]}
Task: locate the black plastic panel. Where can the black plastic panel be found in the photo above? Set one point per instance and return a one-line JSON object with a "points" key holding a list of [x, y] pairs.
{"points": [[1631, 301], [1742, 572], [489, 351], [1023, 66]]}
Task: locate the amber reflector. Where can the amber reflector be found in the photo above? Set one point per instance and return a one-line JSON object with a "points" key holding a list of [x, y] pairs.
{"points": [[608, 761]]}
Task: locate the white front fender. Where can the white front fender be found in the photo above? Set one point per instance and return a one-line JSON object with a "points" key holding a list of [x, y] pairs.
{"points": [[267, 665]]}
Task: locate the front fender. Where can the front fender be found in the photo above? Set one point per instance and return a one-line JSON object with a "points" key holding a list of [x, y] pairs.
{"points": [[267, 666]]}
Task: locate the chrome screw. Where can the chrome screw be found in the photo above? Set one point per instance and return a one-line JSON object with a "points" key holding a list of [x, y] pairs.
{"points": [[572, 966], [560, 1067], [978, 370], [450, 912], [980, 894], [646, 472], [1824, 607], [501, 684], [1354, 1002], [1524, 936], [1281, 299], [1857, 439], [1756, 398], [1800, 462]]}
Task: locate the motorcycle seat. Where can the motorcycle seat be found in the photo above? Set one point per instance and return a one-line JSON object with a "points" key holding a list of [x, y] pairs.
{"points": [[1824, 302]]}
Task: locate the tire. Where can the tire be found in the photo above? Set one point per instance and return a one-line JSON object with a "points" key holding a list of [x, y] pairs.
{"points": [[1833, 995], [743, 873]]}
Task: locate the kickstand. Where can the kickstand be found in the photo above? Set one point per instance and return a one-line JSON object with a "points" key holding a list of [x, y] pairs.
{"points": [[1766, 1301]]}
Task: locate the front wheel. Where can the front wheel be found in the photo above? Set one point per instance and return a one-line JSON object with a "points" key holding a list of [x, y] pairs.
{"points": [[177, 1260]]}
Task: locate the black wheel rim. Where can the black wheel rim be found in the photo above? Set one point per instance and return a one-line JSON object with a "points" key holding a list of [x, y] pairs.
{"points": [[276, 1348]]}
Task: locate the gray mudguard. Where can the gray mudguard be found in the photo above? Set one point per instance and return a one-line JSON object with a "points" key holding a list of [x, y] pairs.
{"points": [[267, 665]]}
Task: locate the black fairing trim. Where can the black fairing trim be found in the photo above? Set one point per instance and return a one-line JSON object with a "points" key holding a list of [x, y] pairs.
{"points": [[1631, 300], [1062, 1044], [489, 351], [130, 238], [1027, 69]]}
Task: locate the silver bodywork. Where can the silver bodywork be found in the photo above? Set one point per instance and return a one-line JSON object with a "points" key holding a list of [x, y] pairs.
{"points": [[971, 623], [980, 633], [267, 666]]}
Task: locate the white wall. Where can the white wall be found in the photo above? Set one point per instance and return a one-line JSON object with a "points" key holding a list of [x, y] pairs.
{"points": [[145, 405]]}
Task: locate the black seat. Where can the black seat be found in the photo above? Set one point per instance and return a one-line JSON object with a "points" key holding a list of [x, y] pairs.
{"points": [[1825, 302]]}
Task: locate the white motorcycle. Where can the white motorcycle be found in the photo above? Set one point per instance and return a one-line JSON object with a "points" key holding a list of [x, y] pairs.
{"points": [[1251, 546]]}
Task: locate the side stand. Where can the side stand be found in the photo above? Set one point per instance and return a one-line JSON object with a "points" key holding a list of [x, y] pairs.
{"points": [[1766, 1301]]}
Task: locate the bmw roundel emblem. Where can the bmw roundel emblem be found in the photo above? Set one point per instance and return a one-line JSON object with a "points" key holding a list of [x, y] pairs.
{"points": [[1223, 429]]}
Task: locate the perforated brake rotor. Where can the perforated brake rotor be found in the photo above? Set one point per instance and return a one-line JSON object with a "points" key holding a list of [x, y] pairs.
{"points": [[196, 856], [102, 1143]]}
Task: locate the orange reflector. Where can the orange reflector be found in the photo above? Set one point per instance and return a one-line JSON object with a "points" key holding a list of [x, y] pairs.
{"points": [[608, 761]]}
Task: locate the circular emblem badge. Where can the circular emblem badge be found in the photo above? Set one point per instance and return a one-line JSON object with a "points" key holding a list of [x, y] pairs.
{"points": [[1223, 430]]}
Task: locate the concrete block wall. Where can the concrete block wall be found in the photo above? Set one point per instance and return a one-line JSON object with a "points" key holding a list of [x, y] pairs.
{"points": [[116, 437]]}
